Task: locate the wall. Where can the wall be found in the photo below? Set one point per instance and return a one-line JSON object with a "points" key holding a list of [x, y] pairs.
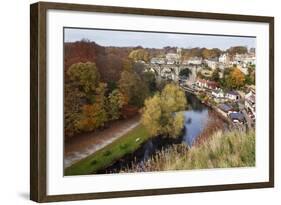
{"points": [[14, 109]]}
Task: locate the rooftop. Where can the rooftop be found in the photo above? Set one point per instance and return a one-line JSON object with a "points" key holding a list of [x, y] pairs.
{"points": [[225, 107], [237, 116], [232, 92]]}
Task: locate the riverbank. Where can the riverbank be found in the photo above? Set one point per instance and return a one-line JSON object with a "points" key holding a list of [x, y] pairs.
{"points": [[104, 157], [86, 144]]}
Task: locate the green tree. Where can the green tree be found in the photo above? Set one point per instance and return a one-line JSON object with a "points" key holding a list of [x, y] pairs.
{"points": [[162, 113], [216, 75], [250, 78], [185, 73]]}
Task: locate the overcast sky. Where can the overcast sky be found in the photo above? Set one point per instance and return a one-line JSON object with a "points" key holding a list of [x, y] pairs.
{"points": [[156, 40]]}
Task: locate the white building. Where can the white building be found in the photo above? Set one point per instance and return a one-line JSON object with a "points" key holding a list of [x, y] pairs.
{"points": [[212, 63], [174, 58], [224, 59], [218, 93], [157, 61], [194, 61], [250, 102], [244, 59]]}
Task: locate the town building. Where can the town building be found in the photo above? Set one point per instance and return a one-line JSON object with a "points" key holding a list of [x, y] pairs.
{"points": [[232, 95], [212, 63], [244, 59], [224, 59], [174, 58], [193, 61], [202, 83], [157, 61], [250, 102], [225, 108], [218, 94], [237, 117]]}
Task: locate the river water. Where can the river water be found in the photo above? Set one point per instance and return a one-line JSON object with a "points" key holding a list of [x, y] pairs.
{"points": [[196, 117]]}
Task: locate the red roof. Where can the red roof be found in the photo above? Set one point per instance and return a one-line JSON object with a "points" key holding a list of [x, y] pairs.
{"points": [[210, 84]]}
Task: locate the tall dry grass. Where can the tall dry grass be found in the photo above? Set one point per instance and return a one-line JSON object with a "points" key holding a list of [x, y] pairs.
{"points": [[222, 150]]}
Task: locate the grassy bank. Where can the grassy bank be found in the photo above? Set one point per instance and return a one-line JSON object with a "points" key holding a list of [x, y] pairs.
{"points": [[221, 150], [106, 156]]}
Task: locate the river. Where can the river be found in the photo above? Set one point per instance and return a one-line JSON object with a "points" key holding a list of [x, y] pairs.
{"points": [[197, 117]]}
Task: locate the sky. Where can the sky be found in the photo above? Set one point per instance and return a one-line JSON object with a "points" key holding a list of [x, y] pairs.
{"points": [[156, 40]]}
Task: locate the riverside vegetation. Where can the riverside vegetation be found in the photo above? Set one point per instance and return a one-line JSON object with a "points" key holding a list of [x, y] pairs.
{"points": [[221, 150]]}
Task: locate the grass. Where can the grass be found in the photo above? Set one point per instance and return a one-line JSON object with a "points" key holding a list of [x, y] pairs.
{"points": [[109, 154], [221, 150]]}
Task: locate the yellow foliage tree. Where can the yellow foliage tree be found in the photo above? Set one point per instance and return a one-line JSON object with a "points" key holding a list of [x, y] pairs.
{"points": [[236, 79], [162, 113]]}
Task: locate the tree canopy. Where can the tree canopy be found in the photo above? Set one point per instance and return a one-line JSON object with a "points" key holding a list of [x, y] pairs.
{"points": [[139, 54], [162, 113], [236, 79], [237, 50], [185, 72]]}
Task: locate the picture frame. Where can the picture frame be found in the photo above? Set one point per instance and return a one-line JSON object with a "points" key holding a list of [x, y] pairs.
{"points": [[40, 36]]}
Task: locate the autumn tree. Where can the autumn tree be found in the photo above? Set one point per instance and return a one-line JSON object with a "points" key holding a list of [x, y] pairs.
{"points": [[93, 115], [133, 88], [147, 77], [139, 54], [250, 77], [72, 105], [236, 79], [85, 74], [162, 113], [237, 50], [116, 100], [211, 53], [80, 82]]}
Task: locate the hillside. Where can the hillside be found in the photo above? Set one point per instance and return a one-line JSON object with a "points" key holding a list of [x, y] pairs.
{"points": [[221, 150]]}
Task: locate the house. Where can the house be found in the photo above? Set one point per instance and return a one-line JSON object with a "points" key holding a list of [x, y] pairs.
{"points": [[212, 63], [171, 62], [157, 61], [194, 61], [218, 94], [202, 83], [224, 59], [250, 102], [232, 95], [245, 59], [226, 108], [173, 58], [212, 85], [237, 117]]}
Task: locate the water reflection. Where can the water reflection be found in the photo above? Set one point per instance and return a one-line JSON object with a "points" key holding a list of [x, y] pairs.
{"points": [[195, 122], [196, 119]]}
